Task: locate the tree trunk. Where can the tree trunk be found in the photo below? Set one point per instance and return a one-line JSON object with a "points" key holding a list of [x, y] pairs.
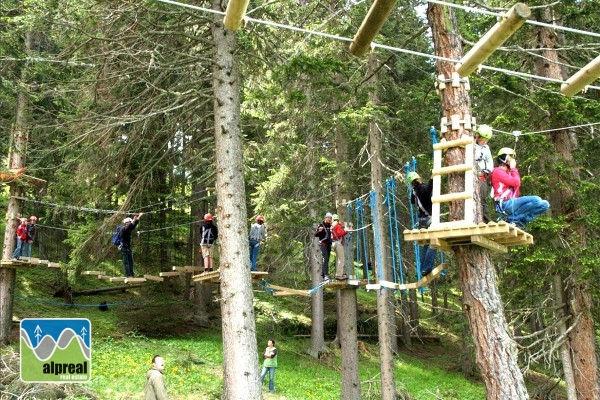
{"points": [[386, 323], [241, 369], [317, 330], [579, 350], [16, 160], [495, 350], [347, 308], [349, 343]]}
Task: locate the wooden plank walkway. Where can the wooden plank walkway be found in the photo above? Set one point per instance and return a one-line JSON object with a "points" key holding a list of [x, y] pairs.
{"points": [[495, 236]]}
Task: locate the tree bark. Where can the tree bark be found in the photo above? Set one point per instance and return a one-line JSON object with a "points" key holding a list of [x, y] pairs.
{"points": [[16, 160], [317, 337], [496, 353], [578, 353], [386, 322], [241, 369]]}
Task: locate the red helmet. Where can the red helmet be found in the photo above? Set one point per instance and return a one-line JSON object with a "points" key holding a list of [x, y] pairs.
{"points": [[260, 218], [208, 217], [33, 218]]}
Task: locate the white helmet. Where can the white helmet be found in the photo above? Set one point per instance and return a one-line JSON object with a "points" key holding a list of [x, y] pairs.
{"points": [[126, 220]]}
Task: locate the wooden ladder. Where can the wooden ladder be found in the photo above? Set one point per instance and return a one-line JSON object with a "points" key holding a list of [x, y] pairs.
{"points": [[437, 197]]}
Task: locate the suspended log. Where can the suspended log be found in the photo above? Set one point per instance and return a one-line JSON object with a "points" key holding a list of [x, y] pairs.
{"points": [[91, 292], [582, 78], [234, 14], [494, 38], [371, 25]]}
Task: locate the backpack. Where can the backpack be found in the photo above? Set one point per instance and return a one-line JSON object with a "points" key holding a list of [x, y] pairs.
{"points": [[116, 237]]}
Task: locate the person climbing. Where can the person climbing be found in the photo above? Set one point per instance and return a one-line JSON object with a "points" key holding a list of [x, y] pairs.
{"points": [[31, 231], [323, 233], [21, 238], [208, 235], [506, 186], [421, 196], [129, 225], [258, 233], [485, 165], [338, 233]]}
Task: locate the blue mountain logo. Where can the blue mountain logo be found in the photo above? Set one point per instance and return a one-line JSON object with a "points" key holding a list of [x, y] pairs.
{"points": [[56, 350]]}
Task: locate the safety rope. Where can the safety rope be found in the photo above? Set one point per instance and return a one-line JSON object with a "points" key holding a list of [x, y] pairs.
{"points": [[376, 233], [360, 221], [395, 243]]}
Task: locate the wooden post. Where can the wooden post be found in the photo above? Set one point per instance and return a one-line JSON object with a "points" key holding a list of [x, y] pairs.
{"points": [[234, 14], [583, 77], [378, 13], [494, 38]]}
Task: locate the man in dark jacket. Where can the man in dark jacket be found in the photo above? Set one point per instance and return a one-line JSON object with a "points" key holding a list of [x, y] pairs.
{"points": [[323, 233], [129, 225], [208, 235], [421, 197]]}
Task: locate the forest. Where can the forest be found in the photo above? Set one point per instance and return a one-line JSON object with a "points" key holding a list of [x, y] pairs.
{"points": [[109, 109]]}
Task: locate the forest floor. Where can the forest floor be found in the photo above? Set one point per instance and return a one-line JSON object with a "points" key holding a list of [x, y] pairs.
{"points": [[155, 316]]}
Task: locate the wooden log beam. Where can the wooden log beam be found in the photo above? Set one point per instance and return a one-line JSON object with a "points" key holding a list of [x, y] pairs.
{"points": [[494, 38], [234, 14], [582, 78], [91, 292], [371, 25]]}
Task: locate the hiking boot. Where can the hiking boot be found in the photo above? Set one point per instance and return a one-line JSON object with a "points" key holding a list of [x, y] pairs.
{"points": [[341, 277], [325, 278]]}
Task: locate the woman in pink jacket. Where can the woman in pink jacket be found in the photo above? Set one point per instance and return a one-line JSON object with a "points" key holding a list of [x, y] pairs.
{"points": [[506, 184]]}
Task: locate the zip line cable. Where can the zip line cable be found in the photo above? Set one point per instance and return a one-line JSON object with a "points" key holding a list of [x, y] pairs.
{"points": [[519, 133], [373, 44]]}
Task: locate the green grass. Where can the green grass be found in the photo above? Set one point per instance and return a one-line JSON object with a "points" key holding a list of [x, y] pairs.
{"points": [[125, 338]]}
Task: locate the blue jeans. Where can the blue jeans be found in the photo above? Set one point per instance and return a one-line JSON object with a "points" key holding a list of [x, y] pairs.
{"points": [[19, 249], [27, 249], [271, 371], [427, 259], [254, 248], [127, 255], [523, 210]]}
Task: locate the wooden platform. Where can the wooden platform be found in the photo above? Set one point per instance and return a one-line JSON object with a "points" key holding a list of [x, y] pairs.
{"points": [[495, 236], [215, 276], [26, 262]]}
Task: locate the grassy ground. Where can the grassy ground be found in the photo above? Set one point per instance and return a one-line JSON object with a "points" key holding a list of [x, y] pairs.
{"points": [[153, 320]]}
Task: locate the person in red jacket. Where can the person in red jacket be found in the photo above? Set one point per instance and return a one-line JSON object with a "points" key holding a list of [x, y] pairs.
{"points": [[506, 184], [21, 238], [338, 233]]}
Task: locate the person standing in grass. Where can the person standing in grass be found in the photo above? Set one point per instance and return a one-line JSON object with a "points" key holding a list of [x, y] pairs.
{"points": [[156, 388], [270, 364]]}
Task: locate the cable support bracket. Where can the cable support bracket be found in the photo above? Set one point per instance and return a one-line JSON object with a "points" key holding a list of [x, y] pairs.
{"points": [[468, 123], [455, 80]]}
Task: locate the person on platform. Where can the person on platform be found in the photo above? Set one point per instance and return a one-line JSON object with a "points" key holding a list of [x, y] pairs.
{"points": [[127, 254], [485, 165], [323, 233], [208, 236], [421, 196], [338, 236], [506, 185], [258, 234]]}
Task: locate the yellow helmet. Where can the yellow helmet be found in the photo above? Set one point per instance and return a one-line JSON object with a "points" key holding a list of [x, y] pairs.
{"points": [[485, 131], [506, 150], [412, 176]]}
